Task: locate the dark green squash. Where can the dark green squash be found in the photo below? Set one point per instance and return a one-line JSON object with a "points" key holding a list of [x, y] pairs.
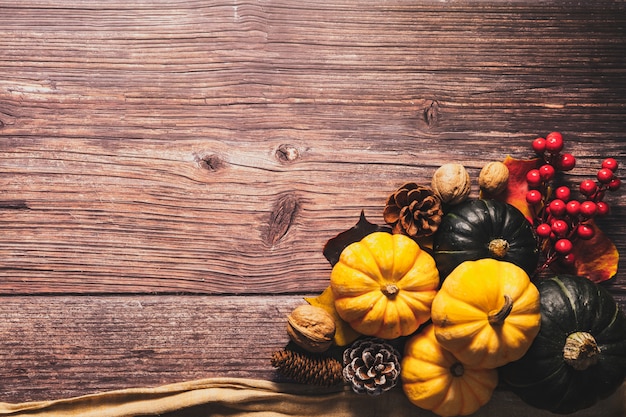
{"points": [[579, 355], [478, 229]]}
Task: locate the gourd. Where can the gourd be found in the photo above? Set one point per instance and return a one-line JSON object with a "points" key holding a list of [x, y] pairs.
{"points": [[487, 313], [479, 229], [384, 285], [579, 355], [434, 379]]}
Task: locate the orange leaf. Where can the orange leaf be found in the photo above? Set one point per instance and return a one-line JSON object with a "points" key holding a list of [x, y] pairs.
{"points": [[596, 258], [515, 193]]}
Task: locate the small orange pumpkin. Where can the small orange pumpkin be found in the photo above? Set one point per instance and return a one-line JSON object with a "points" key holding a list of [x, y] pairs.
{"points": [[487, 312], [434, 379], [384, 285]]}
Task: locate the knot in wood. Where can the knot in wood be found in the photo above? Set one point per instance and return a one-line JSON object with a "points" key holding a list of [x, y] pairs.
{"points": [[287, 153], [431, 113], [281, 218], [211, 162]]}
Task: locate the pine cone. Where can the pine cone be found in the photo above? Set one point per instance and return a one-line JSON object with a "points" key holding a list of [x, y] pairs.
{"points": [[372, 366], [413, 210], [308, 369]]}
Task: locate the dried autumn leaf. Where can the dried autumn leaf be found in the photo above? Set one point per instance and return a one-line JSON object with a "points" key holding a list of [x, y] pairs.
{"points": [[596, 258], [344, 334], [336, 245]]}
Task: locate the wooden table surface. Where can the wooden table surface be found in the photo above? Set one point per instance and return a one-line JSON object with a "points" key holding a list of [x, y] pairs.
{"points": [[170, 170]]}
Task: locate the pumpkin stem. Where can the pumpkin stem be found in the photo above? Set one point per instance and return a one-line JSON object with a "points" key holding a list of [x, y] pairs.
{"points": [[498, 247], [497, 317], [390, 290], [581, 350], [457, 369]]}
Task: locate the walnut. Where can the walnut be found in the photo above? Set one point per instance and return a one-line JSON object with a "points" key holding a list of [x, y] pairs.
{"points": [[493, 178], [311, 328], [452, 183]]}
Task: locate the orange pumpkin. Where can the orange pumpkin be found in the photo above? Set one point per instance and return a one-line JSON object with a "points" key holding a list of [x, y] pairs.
{"points": [[384, 285], [487, 313], [434, 379]]}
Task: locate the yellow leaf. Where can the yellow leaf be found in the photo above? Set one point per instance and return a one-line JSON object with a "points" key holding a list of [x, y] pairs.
{"points": [[344, 335]]}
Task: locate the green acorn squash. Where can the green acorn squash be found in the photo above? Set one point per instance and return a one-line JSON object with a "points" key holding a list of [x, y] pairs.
{"points": [[478, 229], [579, 355]]}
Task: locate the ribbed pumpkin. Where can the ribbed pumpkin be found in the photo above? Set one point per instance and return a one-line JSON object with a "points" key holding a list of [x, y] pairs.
{"points": [[579, 355], [434, 379], [479, 229], [384, 285], [486, 313]]}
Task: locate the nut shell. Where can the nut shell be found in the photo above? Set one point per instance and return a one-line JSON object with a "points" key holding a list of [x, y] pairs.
{"points": [[311, 328], [452, 183], [493, 178]]}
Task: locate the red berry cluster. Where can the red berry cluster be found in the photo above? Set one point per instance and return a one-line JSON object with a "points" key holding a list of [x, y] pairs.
{"points": [[561, 219]]}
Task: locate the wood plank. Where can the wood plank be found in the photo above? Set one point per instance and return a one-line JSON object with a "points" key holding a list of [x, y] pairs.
{"points": [[64, 346], [146, 148]]}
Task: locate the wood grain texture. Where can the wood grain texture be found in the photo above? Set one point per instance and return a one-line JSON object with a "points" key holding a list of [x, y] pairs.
{"points": [[60, 346], [213, 147], [143, 146]]}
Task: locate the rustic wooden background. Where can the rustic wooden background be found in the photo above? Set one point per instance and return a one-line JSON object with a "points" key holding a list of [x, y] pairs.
{"points": [[170, 170]]}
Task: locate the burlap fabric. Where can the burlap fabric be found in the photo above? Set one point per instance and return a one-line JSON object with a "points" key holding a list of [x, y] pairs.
{"points": [[234, 397]]}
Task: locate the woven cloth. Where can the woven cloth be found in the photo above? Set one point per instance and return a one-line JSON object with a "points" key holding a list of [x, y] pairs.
{"points": [[237, 397]]}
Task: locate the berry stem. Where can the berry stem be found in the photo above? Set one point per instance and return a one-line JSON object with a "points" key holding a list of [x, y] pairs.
{"points": [[559, 219]]}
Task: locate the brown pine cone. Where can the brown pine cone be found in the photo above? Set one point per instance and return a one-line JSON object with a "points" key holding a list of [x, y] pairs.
{"points": [[413, 210], [308, 369], [372, 366]]}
